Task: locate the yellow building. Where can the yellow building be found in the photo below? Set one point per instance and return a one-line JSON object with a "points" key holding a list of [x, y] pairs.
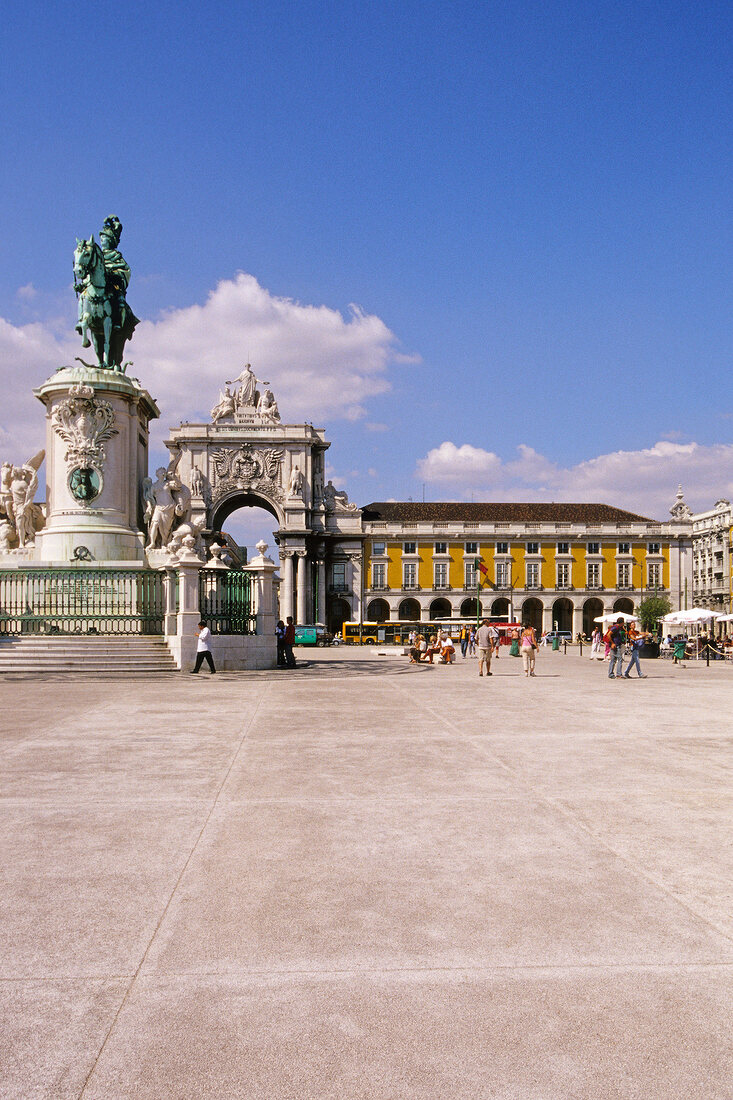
{"points": [[558, 566]]}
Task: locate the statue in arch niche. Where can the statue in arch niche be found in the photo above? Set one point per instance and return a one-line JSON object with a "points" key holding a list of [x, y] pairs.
{"points": [[297, 481]]}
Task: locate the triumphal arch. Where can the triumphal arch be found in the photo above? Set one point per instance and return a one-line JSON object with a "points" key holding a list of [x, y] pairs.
{"points": [[246, 456]]}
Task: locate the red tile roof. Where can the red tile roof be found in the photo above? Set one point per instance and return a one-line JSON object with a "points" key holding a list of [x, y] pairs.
{"points": [[499, 512]]}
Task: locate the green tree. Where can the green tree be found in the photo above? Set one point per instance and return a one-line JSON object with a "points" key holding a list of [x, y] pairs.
{"points": [[652, 609]]}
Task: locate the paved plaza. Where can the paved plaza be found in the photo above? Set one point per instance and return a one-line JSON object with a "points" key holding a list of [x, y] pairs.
{"points": [[363, 879]]}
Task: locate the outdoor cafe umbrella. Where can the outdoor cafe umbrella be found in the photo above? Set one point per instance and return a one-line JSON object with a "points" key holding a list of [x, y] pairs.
{"points": [[614, 617]]}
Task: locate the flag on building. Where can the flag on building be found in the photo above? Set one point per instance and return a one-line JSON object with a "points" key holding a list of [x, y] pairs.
{"points": [[481, 568]]}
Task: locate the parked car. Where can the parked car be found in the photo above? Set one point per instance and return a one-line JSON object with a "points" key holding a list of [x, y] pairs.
{"points": [[561, 635], [314, 634]]}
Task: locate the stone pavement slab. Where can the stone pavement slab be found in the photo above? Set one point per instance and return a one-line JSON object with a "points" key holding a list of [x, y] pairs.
{"points": [[366, 879]]}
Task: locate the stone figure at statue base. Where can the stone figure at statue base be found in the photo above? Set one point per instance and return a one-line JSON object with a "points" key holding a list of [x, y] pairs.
{"points": [[20, 518]]}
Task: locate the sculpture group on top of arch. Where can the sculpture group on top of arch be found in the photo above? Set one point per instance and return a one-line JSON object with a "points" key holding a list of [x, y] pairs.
{"points": [[246, 401]]}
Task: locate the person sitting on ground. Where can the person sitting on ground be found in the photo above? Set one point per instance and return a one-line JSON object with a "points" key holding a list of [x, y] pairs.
{"points": [[447, 649]]}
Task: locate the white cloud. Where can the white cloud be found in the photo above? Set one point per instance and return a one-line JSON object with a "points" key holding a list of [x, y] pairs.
{"points": [[321, 365], [643, 481]]}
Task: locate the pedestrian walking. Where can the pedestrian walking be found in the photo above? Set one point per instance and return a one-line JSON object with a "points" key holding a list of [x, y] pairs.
{"points": [[528, 649], [289, 642], [472, 642], [616, 639], [465, 632], [636, 641], [485, 647], [203, 649]]}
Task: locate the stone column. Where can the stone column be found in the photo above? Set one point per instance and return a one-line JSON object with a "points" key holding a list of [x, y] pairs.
{"points": [[321, 609], [302, 588], [286, 593], [356, 585], [170, 588], [189, 615], [263, 569], [577, 627]]}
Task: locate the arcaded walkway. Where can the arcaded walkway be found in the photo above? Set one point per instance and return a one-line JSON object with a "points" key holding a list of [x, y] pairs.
{"points": [[365, 880]]}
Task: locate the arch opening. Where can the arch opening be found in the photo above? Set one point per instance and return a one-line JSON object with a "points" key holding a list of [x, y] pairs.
{"points": [[592, 609], [562, 614], [378, 611], [409, 611], [532, 614], [247, 519], [500, 609], [440, 609]]}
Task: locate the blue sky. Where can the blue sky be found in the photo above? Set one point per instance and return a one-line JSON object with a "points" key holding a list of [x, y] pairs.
{"points": [[529, 204]]}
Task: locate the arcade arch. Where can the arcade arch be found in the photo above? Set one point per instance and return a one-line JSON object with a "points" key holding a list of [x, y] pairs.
{"points": [[562, 614], [500, 609], [592, 610], [409, 611], [625, 605], [377, 611], [440, 609], [469, 608], [532, 613]]}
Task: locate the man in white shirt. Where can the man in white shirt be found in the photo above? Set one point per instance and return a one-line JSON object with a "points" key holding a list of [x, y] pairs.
{"points": [[203, 649], [485, 643]]}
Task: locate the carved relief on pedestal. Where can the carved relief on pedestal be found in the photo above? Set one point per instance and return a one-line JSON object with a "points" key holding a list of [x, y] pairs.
{"points": [[85, 423], [247, 467]]}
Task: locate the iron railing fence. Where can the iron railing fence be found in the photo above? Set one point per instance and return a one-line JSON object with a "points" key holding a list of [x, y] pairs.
{"points": [[225, 601], [81, 601]]}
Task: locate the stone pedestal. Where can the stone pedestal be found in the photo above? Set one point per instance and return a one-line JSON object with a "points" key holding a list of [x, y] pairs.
{"points": [[96, 458]]}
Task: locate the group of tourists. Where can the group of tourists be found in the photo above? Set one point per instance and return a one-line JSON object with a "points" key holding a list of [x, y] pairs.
{"points": [[618, 642], [440, 646]]}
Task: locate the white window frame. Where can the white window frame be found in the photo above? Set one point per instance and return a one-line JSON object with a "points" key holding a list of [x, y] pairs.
{"points": [[564, 574]]}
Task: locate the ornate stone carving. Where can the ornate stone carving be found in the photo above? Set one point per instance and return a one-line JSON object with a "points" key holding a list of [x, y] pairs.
{"points": [[247, 395], [337, 500], [679, 509], [247, 467], [296, 481], [225, 407], [267, 408], [167, 504], [85, 423], [20, 518], [246, 404]]}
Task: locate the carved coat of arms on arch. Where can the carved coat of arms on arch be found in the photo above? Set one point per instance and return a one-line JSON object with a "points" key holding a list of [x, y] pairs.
{"points": [[247, 467]]}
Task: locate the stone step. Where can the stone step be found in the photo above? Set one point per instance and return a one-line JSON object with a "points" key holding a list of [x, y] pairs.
{"points": [[104, 654]]}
